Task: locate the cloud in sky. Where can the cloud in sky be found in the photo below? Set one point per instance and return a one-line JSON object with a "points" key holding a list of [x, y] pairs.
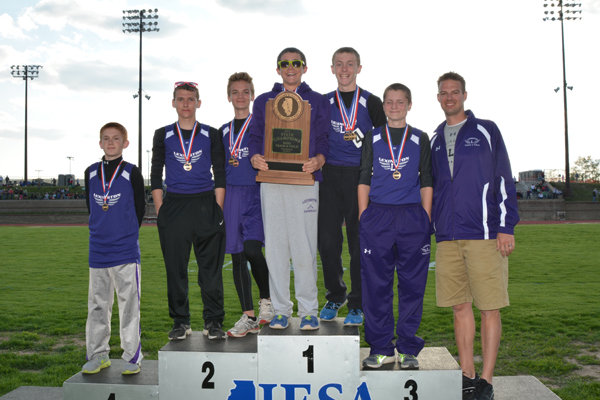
{"points": [[267, 7], [8, 28]]}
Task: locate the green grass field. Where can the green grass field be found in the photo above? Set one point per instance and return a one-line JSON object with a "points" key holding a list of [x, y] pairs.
{"points": [[551, 329]]}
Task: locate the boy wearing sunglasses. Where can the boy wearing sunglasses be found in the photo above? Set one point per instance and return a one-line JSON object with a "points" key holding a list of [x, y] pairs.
{"points": [[290, 211], [354, 112], [191, 212]]}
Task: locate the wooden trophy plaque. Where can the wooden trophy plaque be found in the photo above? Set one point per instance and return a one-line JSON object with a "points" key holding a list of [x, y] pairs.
{"points": [[287, 139]]}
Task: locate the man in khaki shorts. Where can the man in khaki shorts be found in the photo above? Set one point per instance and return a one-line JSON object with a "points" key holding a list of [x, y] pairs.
{"points": [[474, 215]]}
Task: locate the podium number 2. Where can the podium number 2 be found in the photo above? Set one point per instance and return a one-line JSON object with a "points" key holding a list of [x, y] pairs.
{"points": [[206, 383], [308, 353], [412, 385]]}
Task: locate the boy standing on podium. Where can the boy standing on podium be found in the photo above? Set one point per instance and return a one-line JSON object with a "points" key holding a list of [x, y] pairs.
{"points": [[116, 212]]}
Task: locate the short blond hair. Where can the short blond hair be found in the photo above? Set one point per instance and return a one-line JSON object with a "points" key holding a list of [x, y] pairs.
{"points": [[116, 126]]}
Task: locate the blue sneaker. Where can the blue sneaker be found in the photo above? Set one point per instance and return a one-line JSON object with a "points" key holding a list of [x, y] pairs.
{"points": [[355, 317], [279, 322], [309, 323], [330, 311]]}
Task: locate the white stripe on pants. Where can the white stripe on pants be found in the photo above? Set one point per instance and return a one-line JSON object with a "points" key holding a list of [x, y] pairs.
{"points": [[290, 214], [125, 279]]}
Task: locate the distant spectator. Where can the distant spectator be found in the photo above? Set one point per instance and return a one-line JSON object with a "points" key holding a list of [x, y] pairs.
{"points": [[529, 193], [1, 181], [594, 194], [7, 179]]}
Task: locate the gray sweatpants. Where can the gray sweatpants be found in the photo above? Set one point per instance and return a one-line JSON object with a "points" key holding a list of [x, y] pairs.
{"points": [[125, 280], [290, 214]]}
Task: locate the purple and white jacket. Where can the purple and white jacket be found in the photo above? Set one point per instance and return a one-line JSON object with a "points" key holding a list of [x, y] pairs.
{"points": [[480, 200]]}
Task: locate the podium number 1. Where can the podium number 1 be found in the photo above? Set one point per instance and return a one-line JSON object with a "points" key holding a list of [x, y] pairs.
{"points": [[308, 353]]}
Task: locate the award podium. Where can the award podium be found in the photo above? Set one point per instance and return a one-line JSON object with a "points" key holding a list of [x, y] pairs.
{"points": [[287, 364]]}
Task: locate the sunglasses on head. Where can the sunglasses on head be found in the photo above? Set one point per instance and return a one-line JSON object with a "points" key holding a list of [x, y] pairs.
{"points": [[192, 84], [286, 64]]}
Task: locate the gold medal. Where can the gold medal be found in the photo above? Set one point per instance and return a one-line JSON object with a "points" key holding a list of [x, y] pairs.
{"points": [[104, 207], [187, 166], [349, 135], [233, 161], [397, 175]]}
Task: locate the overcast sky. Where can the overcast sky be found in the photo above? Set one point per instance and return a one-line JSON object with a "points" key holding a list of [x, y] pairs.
{"points": [[510, 58]]}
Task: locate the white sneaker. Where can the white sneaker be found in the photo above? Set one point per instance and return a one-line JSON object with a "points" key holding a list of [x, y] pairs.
{"points": [[243, 326], [266, 313], [95, 365]]}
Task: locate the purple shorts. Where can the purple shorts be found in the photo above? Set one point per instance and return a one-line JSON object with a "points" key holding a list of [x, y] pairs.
{"points": [[243, 217]]}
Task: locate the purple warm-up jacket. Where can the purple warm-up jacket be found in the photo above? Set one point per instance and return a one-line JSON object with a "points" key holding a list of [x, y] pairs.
{"points": [[480, 200], [319, 122]]}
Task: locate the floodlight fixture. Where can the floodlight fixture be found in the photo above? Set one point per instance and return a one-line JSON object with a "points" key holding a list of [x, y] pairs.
{"points": [[25, 72], [562, 9], [141, 26]]}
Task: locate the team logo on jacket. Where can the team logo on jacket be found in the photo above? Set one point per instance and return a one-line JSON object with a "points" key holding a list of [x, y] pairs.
{"points": [[389, 164], [241, 153], [338, 127], [194, 157], [426, 250], [472, 142], [110, 200]]}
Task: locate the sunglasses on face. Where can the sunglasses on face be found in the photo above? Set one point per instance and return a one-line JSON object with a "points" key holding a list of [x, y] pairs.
{"points": [[179, 84], [286, 64]]}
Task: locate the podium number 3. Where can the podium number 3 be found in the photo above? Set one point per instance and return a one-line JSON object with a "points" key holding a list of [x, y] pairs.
{"points": [[412, 385], [206, 383], [309, 353]]}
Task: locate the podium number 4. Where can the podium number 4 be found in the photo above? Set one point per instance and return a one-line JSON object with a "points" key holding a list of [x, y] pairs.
{"points": [[206, 383], [309, 353]]}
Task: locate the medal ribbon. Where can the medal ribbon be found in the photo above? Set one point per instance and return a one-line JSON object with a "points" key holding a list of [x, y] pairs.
{"points": [[349, 124], [187, 154], [285, 90], [389, 138], [233, 147], [107, 191]]}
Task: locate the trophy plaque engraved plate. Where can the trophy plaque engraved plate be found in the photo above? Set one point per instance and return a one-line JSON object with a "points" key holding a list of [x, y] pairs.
{"points": [[287, 140]]}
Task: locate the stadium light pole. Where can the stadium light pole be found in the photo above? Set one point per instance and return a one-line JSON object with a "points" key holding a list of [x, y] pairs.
{"points": [[141, 26], [555, 11], [25, 72], [148, 152], [70, 159]]}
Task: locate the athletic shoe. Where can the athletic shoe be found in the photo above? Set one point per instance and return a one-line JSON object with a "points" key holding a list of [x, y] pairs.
{"points": [[483, 391], [468, 385], [309, 323], [408, 361], [330, 310], [180, 332], [95, 365], [377, 360], [243, 326], [279, 322], [355, 317], [131, 369], [266, 313], [214, 330]]}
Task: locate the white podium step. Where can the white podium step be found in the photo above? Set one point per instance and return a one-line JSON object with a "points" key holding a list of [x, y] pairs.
{"points": [[439, 377], [199, 368], [319, 364], [111, 384]]}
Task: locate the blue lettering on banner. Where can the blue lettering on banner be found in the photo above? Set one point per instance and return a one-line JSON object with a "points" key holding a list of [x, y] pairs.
{"points": [[245, 390]]}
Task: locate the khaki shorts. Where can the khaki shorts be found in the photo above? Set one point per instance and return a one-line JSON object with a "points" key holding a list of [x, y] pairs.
{"points": [[471, 271]]}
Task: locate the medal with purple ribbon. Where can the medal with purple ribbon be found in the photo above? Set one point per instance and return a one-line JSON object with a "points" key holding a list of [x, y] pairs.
{"points": [[396, 161], [234, 145], [104, 184], [186, 154]]}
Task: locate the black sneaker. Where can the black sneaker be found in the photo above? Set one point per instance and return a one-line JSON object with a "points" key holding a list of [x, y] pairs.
{"points": [[483, 391], [214, 330], [468, 386], [180, 332]]}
